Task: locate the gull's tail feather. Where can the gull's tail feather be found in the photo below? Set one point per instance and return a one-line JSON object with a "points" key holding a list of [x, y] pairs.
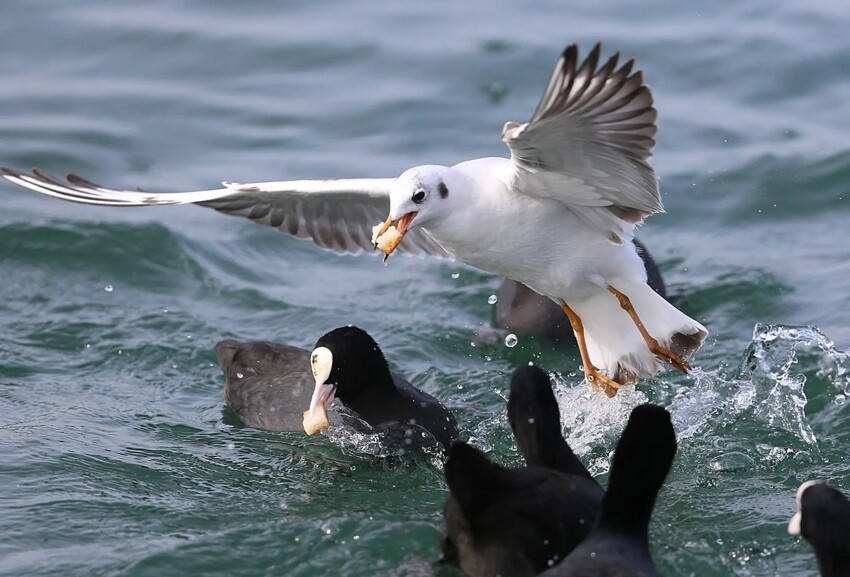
{"points": [[613, 341]]}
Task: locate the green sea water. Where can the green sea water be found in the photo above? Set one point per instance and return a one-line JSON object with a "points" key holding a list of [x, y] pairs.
{"points": [[118, 456]]}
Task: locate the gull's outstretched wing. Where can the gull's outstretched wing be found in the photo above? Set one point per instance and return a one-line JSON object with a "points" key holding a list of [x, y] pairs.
{"points": [[589, 141], [335, 214]]}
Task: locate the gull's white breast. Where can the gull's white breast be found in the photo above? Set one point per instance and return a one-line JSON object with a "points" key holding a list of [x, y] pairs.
{"points": [[537, 241]]}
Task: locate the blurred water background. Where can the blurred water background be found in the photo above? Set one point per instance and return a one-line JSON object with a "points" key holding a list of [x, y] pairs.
{"points": [[118, 457]]}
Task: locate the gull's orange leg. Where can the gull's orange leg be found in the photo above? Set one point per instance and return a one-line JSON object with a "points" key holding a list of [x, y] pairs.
{"points": [[593, 375], [662, 353]]}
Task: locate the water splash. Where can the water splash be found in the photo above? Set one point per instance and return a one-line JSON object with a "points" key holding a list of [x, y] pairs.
{"points": [[781, 398], [768, 387], [592, 421], [388, 444]]}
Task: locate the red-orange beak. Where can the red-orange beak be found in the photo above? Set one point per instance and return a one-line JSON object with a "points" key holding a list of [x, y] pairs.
{"points": [[404, 222]]}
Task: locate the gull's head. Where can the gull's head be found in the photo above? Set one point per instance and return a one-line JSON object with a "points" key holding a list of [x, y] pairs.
{"points": [[420, 191], [418, 197]]}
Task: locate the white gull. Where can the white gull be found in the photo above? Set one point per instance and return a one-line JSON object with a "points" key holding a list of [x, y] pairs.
{"points": [[558, 216]]}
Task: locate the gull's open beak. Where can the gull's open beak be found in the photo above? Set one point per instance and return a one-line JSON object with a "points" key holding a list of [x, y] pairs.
{"points": [[402, 225], [316, 417]]}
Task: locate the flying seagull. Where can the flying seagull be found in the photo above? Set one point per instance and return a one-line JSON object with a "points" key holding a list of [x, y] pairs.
{"points": [[558, 215]]}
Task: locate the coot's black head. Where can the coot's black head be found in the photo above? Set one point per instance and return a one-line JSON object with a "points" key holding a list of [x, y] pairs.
{"points": [[535, 420], [532, 405], [642, 459], [347, 363], [823, 518], [357, 363]]}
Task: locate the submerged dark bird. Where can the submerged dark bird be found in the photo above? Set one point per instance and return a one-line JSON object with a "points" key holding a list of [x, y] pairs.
{"points": [[271, 386], [619, 544], [502, 521], [823, 519], [268, 385]]}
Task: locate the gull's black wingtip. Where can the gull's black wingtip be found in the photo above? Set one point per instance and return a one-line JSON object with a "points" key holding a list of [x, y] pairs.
{"points": [[595, 51], [78, 180], [5, 171], [571, 51]]}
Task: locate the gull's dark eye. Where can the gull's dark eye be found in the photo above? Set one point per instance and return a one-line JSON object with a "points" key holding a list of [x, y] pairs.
{"points": [[418, 196]]}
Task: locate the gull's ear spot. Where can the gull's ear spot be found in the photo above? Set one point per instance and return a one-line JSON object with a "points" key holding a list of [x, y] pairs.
{"points": [[442, 189]]}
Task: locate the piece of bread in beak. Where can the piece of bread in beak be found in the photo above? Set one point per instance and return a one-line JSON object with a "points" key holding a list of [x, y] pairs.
{"points": [[316, 421]]}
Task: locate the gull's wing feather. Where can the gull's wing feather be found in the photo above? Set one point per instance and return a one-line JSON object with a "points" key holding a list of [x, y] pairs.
{"points": [[335, 214], [589, 141]]}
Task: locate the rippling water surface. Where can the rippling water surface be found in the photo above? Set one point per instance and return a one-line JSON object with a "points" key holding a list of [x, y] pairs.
{"points": [[118, 456]]}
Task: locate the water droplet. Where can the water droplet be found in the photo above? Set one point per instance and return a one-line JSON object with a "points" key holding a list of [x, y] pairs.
{"points": [[189, 336], [492, 299], [231, 445], [511, 341], [356, 537], [88, 346], [108, 288], [455, 275], [239, 375], [531, 420], [488, 359], [840, 399], [472, 344], [165, 310]]}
